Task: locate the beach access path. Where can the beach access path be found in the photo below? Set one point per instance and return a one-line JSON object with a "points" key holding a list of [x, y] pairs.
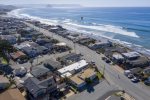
{"points": [[138, 91]]}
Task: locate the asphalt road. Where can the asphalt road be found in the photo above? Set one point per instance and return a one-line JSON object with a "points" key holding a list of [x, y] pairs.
{"points": [[138, 91], [100, 92]]}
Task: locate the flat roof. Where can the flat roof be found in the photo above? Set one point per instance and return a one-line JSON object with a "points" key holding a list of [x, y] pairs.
{"points": [[76, 80], [61, 44], [117, 56], [66, 75], [131, 54], [75, 66], [17, 54], [87, 73]]}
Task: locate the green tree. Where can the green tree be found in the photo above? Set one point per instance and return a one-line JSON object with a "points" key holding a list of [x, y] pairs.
{"points": [[5, 46], [19, 39]]}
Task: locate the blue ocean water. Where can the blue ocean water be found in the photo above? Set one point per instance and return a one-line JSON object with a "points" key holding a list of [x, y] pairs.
{"points": [[125, 24]]}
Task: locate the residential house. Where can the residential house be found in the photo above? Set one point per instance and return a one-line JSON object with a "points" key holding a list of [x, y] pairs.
{"points": [[139, 62], [32, 49], [70, 58], [52, 65], [4, 82], [40, 71], [17, 55], [72, 69], [87, 74], [101, 44], [10, 38], [20, 71], [87, 41], [41, 50], [38, 90], [60, 47], [131, 55], [79, 80], [30, 52], [49, 46], [42, 41], [117, 58]]}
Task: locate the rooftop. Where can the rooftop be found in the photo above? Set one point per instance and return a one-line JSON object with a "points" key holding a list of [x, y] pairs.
{"points": [[52, 63], [61, 44], [131, 54], [75, 66], [76, 80], [34, 85], [87, 73], [39, 70], [117, 56], [17, 54]]}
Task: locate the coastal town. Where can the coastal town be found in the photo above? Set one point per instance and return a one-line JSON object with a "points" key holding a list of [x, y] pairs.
{"points": [[48, 62]]}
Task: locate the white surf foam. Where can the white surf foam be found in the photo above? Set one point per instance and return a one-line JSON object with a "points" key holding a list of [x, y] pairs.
{"points": [[17, 13], [106, 28], [69, 22], [96, 29]]}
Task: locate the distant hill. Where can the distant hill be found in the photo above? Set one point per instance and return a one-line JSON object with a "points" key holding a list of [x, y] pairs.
{"points": [[50, 5], [7, 7], [64, 5]]}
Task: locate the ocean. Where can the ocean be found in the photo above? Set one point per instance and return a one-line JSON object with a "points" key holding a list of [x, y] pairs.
{"points": [[127, 25]]}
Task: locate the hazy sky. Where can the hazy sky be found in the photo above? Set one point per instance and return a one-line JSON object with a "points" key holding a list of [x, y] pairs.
{"points": [[100, 3]]}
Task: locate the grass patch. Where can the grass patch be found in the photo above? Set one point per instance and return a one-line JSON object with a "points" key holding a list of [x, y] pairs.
{"points": [[99, 75], [4, 61]]}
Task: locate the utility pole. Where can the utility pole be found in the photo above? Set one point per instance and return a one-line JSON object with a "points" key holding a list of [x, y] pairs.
{"points": [[74, 44], [103, 70]]}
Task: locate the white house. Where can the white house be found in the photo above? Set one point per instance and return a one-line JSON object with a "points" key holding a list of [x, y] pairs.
{"points": [[73, 67]]}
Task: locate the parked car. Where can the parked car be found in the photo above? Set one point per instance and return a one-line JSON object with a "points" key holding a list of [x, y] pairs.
{"points": [[127, 72], [104, 58], [135, 80], [130, 76], [108, 61], [147, 82], [92, 62]]}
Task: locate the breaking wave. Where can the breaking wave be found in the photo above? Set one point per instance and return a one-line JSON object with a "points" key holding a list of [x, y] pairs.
{"points": [[94, 29], [68, 23]]}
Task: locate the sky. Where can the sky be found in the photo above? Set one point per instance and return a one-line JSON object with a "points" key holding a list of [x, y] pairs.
{"points": [[97, 3]]}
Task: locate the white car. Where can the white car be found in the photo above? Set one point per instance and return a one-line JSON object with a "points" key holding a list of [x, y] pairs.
{"points": [[135, 80], [127, 72]]}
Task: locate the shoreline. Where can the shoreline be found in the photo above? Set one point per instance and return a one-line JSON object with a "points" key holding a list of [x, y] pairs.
{"points": [[89, 55], [134, 47], [131, 46]]}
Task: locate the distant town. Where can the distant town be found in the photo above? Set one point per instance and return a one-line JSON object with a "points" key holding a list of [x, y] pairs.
{"points": [[48, 62]]}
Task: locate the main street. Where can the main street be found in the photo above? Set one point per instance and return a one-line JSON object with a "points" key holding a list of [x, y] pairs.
{"points": [[138, 91]]}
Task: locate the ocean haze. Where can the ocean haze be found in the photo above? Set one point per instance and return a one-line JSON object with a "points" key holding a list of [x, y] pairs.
{"points": [[89, 3]]}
